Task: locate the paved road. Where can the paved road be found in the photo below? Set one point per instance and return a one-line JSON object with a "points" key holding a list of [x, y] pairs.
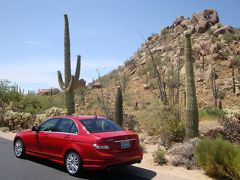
{"points": [[31, 168]]}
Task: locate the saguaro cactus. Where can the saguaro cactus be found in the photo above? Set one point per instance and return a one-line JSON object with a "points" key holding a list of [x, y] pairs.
{"points": [[191, 99], [70, 81], [119, 107]]}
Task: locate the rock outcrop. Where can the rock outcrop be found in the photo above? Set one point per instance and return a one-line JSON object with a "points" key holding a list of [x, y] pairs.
{"points": [[200, 21]]}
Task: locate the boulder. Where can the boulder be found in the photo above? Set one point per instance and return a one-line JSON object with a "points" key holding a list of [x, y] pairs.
{"points": [[211, 15], [202, 26], [186, 23], [179, 20], [223, 29], [203, 20]]}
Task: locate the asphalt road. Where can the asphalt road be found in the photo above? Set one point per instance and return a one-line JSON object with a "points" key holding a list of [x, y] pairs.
{"points": [[30, 168]]}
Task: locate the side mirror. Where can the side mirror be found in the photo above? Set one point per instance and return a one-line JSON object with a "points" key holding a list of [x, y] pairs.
{"points": [[35, 128]]}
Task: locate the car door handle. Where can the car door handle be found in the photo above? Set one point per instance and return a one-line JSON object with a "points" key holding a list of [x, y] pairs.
{"points": [[45, 135], [66, 137]]}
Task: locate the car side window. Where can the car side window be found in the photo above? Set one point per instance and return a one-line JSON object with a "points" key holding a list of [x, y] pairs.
{"points": [[65, 125], [49, 125], [74, 129]]}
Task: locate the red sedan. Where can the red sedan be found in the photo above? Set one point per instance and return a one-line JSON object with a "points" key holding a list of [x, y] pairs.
{"points": [[80, 142]]}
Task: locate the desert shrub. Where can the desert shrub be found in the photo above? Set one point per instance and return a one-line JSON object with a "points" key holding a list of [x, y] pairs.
{"points": [[38, 104], [4, 129], [231, 124], [182, 154], [54, 111], [160, 120], [130, 122], [147, 68], [18, 120], [210, 113], [142, 145], [219, 158], [159, 156], [128, 62], [228, 36]]}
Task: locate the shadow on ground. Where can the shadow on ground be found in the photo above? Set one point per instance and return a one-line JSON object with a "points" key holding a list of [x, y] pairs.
{"points": [[116, 173]]}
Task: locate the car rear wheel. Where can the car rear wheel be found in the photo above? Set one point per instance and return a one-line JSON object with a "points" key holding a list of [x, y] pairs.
{"points": [[19, 148], [73, 163]]}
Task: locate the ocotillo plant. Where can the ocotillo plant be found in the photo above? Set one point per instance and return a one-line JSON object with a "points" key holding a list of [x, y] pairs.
{"points": [[191, 99], [119, 107], [70, 81]]}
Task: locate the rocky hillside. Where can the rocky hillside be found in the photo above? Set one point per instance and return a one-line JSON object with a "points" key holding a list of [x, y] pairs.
{"points": [[216, 50]]}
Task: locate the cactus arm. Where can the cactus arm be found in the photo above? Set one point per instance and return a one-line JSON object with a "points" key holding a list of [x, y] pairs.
{"points": [[60, 81], [71, 84], [78, 67]]}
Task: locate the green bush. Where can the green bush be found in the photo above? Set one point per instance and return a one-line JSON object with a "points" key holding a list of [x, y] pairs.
{"points": [[219, 158], [159, 156], [210, 113], [159, 120]]}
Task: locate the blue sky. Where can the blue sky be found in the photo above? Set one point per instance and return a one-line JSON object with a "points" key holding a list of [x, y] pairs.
{"points": [[103, 32]]}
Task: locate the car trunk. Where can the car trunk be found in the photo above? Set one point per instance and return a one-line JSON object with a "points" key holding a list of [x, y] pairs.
{"points": [[118, 141]]}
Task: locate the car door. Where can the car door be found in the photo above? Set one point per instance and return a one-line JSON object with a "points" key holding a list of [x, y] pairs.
{"points": [[61, 138], [31, 142], [44, 134]]}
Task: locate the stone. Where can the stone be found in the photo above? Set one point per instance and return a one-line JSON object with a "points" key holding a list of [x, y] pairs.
{"points": [[179, 20], [211, 15], [151, 140], [214, 48], [146, 86], [186, 23], [203, 20], [223, 29]]}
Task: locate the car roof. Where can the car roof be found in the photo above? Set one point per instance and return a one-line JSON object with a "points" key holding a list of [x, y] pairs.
{"points": [[80, 117]]}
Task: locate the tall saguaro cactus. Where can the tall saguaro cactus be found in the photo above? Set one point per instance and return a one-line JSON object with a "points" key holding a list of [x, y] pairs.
{"points": [[191, 99], [119, 107], [70, 81]]}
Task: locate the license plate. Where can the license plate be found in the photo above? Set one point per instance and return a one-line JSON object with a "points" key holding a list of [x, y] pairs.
{"points": [[125, 144]]}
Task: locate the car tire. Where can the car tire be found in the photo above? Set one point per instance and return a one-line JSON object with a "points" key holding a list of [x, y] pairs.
{"points": [[19, 149], [73, 163]]}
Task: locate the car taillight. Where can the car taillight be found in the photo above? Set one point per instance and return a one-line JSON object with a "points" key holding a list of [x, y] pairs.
{"points": [[101, 145]]}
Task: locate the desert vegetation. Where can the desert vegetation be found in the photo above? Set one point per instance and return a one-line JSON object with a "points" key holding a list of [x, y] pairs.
{"points": [[169, 92]]}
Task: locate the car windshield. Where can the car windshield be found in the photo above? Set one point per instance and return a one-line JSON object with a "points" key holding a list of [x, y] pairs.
{"points": [[100, 125]]}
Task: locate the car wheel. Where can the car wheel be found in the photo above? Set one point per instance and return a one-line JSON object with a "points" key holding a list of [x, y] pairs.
{"points": [[73, 163], [19, 148]]}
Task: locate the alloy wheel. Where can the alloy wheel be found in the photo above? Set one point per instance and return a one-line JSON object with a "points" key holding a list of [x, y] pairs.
{"points": [[18, 148], [72, 163]]}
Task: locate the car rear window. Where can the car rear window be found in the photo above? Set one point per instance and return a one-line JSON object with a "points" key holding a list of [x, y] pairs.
{"points": [[100, 125]]}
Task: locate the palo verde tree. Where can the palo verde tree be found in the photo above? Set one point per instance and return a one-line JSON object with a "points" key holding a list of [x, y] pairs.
{"points": [[191, 99], [70, 81]]}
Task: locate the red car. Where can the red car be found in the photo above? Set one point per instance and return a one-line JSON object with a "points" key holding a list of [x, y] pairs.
{"points": [[80, 142]]}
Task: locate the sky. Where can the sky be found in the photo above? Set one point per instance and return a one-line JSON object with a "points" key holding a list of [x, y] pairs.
{"points": [[104, 32]]}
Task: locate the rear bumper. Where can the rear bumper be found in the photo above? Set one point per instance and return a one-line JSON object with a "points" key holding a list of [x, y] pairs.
{"points": [[113, 160]]}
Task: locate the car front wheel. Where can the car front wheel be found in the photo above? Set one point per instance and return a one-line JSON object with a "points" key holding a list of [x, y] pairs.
{"points": [[73, 163], [19, 148]]}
